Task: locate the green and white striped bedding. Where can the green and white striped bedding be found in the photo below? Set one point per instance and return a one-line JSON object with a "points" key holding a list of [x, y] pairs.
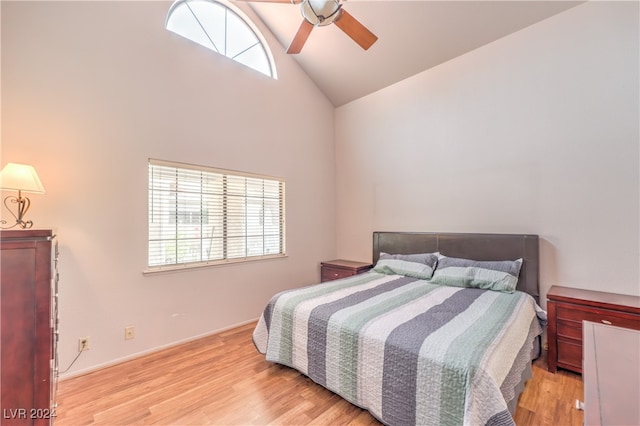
{"points": [[410, 352]]}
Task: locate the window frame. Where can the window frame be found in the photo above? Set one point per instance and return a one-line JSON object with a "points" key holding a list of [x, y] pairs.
{"points": [[244, 18], [180, 215]]}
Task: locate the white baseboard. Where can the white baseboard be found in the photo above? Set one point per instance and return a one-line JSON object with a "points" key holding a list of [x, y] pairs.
{"points": [[149, 351]]}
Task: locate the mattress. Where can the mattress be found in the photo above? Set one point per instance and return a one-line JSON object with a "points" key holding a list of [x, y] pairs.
{"points": [[409, 351]]}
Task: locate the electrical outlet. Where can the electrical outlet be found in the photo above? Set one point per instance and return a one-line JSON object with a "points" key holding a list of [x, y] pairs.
{"points": [[83, 344], [129, 332]]}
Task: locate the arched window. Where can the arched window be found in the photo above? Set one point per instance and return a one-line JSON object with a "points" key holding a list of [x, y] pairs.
{"points": [[223, 28]]}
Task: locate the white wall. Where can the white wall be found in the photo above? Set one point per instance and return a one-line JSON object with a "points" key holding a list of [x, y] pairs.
{"points": [[90, 91], [537, 133]]}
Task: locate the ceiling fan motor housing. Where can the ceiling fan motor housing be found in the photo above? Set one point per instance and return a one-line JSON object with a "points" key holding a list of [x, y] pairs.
{"points": [[321, 12]]}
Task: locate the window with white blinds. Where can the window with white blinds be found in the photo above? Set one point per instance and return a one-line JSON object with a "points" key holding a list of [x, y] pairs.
{"points": [[200, 215]]}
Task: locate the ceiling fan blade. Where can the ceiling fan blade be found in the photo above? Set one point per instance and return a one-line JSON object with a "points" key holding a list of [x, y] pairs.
{"points": [[301, 37], [354, 29]]}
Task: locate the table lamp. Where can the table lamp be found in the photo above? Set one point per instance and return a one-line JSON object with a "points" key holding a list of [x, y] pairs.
{"points": [[21, 178]]}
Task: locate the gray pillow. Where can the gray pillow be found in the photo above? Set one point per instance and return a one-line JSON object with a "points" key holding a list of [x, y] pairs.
{"points": [[491, 275], [419, 266]]}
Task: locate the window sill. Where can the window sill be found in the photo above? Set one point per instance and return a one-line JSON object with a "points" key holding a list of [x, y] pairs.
{"points": [[199, 265]]}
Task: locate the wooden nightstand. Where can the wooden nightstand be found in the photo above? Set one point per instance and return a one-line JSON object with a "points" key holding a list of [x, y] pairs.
{"points": [[568, 307], [339, 268]]}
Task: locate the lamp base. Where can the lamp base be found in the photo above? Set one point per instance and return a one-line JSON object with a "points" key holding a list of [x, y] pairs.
{"points": [[23, 204]]}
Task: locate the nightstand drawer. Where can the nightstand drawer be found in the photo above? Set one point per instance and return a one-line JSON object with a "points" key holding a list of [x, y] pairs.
{"points": [[339, 268], [570, 354], [579, 314], [329, 273], [571, 329]]}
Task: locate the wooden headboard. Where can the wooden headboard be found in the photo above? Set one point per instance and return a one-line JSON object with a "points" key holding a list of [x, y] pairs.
{"points": [[469, 246]]}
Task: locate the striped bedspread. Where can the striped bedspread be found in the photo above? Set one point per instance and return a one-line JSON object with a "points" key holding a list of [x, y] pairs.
{"points": [[410, 352]]}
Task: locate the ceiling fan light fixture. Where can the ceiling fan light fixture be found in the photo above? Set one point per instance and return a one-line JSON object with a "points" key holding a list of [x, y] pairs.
{"points": [[321, 12]]}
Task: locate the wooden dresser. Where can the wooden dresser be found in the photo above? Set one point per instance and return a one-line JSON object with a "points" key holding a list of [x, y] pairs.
{"points": [[568, 307], [339, 268], [27, 324]]}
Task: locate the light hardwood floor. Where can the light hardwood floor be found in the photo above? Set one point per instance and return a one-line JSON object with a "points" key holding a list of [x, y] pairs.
{"points": [[223, 380]]}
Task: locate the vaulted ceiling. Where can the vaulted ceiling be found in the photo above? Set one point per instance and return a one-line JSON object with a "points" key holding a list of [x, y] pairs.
{"points": [[413, 36]]}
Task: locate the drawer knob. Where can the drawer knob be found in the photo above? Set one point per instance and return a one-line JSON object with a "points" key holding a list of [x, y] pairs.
{"points": [[335, 275], [606, 322]]}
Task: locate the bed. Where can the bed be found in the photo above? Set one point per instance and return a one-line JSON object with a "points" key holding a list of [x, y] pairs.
{"points": [[418, 341]]}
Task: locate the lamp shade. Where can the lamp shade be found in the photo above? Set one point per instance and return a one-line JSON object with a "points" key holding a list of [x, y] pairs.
{"points": [[20, 177]]}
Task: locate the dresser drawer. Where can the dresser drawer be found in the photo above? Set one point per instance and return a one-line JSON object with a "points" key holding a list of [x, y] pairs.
{"points": [[603, 316]]}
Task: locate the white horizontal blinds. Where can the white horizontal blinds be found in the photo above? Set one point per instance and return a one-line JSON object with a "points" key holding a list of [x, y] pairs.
{"points": [[253, 217], [206, 215]]}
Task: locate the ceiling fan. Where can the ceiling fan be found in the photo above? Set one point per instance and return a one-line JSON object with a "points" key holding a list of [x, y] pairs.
{"points": [[319, 13]]}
